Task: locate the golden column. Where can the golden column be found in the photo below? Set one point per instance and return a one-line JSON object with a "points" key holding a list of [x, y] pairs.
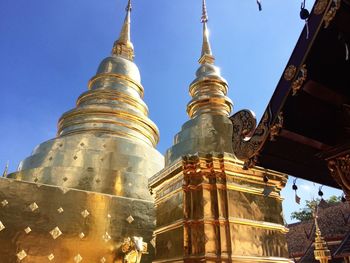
{"points": [[208, 208], [321, 252], [83, 196]]}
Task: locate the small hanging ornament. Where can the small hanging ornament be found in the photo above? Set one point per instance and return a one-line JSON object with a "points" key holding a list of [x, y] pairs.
{"points": [[259, 4], [304, 15], [295, 188], [320, 193], [266, 179], [267, 189]]}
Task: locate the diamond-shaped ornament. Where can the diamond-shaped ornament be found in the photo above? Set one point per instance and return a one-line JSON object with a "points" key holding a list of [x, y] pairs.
{"points": [[130, 219], [85, 213], [4, 203], [103, 260], [55, 233], [33, 207], [2, 227], [27, 230], [60, 210], [81, 235], [21, 255], [51, 257], [78, 258], [106, 237]]}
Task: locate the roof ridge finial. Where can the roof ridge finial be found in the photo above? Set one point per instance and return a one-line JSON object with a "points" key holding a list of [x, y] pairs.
{"points": [[321, 252], [206, 56], [123, 46]]}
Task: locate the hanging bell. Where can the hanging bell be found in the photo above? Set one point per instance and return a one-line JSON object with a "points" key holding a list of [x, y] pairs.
{"points": [[320, 193], [304, 13], [295, 187]]}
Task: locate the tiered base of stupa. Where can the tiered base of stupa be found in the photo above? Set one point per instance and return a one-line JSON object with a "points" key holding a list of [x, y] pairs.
{"points": [[209, 209]]}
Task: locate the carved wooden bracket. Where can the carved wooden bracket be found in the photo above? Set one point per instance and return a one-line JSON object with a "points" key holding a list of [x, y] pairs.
{"points": [[340, 170], [247, 139]]}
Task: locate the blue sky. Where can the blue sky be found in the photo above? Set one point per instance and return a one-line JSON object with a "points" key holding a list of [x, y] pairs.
{"points": [[50, 49]]}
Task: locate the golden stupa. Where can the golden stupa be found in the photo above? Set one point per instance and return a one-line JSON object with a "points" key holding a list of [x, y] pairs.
{"points": [[86, 196], [83, 196], [208, 208]]}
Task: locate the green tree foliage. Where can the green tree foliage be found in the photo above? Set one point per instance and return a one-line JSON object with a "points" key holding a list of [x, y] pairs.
{"points": [[306, 213]]}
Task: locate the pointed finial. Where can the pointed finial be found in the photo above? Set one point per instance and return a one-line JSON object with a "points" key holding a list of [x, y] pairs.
{"points": [[321, 253], [128, 7], [206, 56], [123, 46], [204, 18], [4, 174]]}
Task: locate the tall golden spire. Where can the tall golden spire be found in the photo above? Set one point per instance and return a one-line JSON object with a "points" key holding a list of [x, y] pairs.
{"points": [[206, 56], [321, 252], [209, 89], [123, 46]]}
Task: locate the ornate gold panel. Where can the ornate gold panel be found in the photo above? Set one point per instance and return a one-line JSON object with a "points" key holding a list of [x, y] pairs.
{"points": [[69, 226]]}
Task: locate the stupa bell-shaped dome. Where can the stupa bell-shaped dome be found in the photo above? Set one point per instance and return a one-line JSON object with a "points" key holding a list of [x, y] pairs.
{"points": [[121, 66]]}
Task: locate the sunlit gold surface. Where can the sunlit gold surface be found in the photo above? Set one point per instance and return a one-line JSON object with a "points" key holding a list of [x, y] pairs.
{"points": [[68, 222], [80, 195], [208, 208]]}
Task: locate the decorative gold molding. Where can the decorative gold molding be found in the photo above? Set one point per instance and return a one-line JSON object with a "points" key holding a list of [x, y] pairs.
{"points": [[232, 220], [290, 72], [320, 7], [276, 128], [298, 83], [331, 13], [137, 86], [259, 224]]}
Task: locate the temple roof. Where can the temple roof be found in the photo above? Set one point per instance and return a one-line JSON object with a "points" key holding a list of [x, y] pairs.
{"points": [[334, 223], [344, 248], [308, 117]]}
